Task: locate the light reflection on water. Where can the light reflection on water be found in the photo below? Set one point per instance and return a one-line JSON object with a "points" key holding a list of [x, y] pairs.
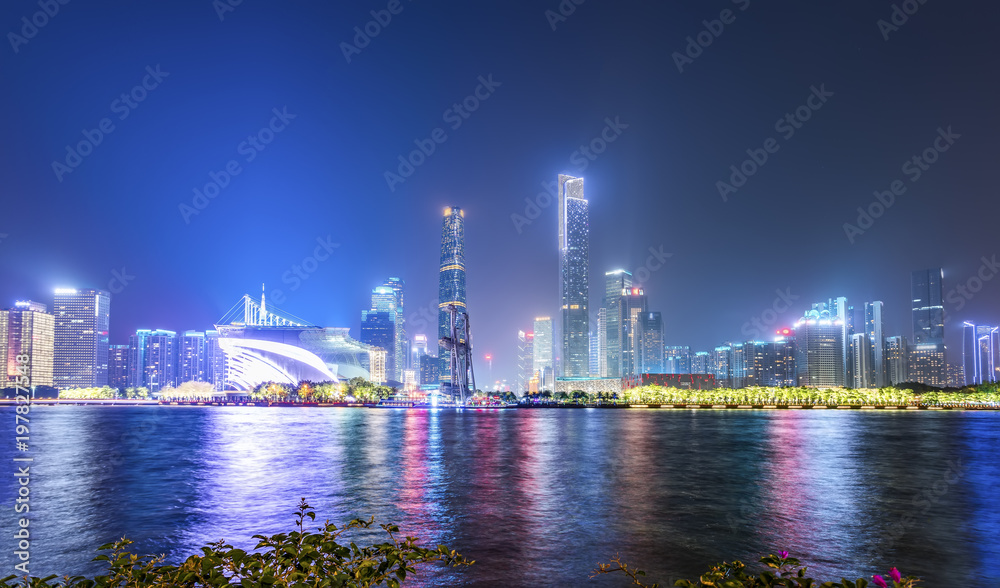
{"points": [[537, 497]]}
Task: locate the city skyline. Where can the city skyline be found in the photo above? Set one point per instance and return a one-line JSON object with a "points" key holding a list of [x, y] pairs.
{"points": [[652, 143]]}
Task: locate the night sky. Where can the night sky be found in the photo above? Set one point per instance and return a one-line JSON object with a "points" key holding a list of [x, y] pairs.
{"points": [[322, 175]]}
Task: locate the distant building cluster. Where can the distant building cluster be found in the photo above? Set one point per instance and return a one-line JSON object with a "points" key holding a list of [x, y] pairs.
{"points": [[618, 343], [833, 344]]}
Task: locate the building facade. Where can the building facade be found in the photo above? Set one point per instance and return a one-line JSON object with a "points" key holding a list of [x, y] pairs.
{"points": [[543, 365], [27, 331], [80, 354], [819, 353], [451, 283], [616, 282]]}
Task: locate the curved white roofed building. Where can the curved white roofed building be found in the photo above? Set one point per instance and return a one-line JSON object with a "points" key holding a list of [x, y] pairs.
{"points": [[266, 345], [291, 354]]}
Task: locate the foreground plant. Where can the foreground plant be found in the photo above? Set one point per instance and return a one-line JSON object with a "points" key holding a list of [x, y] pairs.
{"points": [[782, 571], [299, 558]]}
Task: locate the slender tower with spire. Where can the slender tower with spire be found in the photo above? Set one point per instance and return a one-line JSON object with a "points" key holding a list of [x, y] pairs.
{"points": [[451, 284]]}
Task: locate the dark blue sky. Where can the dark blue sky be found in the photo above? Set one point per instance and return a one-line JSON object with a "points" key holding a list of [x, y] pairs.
{"points": [[655, 186]]}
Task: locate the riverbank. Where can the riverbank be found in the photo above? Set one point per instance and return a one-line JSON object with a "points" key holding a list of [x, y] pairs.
{"points": [[529, 405]]}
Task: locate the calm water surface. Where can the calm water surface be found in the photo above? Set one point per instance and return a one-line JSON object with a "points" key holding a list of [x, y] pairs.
{"points": [[537, 497]]}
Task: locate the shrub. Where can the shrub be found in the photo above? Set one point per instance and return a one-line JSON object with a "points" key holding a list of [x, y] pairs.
{"points": [[781, 571], [299, 558]]}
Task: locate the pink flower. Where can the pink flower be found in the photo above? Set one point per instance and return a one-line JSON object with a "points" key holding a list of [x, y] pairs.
{"points": [[783, 554], [895, 575], [878, 581]]}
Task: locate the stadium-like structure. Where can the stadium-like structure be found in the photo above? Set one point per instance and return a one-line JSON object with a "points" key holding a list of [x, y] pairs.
{"points": [[268, 345]]}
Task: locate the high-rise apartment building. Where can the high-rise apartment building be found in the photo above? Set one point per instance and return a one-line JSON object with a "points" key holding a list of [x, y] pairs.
{"points": [[677, 359], [574, 278], [718, 365], [615, 282], [699, 363], [192, 364], [160, 369], [136, 365], [451, 282], [118, 366], [27, 332], [897, 360], [215, 361], [82, 319]]}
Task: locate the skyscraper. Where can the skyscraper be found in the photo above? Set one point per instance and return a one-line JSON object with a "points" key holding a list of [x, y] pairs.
{"points": [[897, 360], [818, 353], [677, 359], [26, 330], [402, 355], [378, 329], [542, 363], [525, 361], [215, 361], [82, 318], [653, 361], [602, 343], [928, 307], [118, 366], [615, 282], [861, 370], [980, 348], [631, 310], [136, 364], [927, 358], [875, 332], [381, 325], [593, 356], [839, 308], [574, 274], [451, 282], [418, 350], [699, 363], [718, 365]]}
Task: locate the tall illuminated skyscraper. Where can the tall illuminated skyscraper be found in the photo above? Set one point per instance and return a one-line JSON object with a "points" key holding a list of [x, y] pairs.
{"points": [[928, 307], [574, 277], [402, 343], [928, 360], [631, 319], [82, 318], [451, 282], [381, 326], [26, 330], [875, 331], [615, 282]]}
